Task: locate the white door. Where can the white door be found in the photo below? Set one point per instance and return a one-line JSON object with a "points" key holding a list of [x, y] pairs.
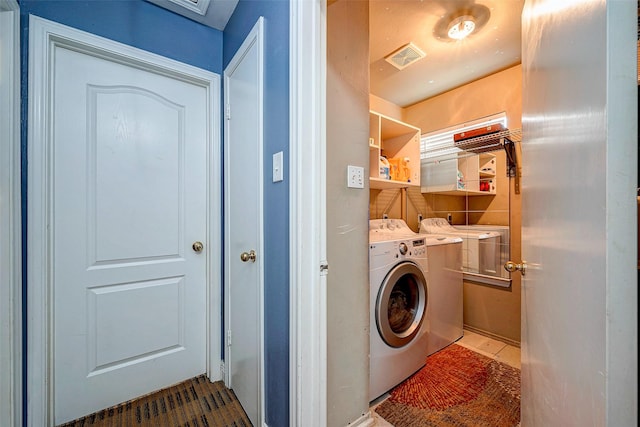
{"points": [[243, 223], [129, 200], [579, 294]]}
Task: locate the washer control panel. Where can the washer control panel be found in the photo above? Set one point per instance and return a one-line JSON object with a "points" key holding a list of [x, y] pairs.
{"points": [[419, 247], [415, 247]]}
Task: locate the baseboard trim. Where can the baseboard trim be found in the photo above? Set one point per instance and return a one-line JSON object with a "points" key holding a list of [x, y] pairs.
{"points": [[364, 421], [492, 335]]}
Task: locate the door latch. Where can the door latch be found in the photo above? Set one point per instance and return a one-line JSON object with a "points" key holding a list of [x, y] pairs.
{"points": [[324, 268]]}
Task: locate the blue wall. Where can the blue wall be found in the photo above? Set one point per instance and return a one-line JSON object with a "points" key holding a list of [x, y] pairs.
{"points": [[276, 195], [133, 22], [149, 27], [136, 23]]}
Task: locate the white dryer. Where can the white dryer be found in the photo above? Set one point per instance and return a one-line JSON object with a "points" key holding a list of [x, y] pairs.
{"points": [[399, 304]]}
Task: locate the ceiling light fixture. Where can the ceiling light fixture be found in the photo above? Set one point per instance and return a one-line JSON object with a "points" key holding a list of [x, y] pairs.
{"points": [[461, 23], [461, 27]]}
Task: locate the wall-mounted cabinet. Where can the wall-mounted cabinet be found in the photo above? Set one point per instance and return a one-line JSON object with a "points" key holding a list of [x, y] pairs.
{"points": [[464, 175], [399, 144]]}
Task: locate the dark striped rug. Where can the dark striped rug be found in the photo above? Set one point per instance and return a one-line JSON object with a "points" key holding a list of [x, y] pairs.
{"points": [[194, 403], [456, 388]]}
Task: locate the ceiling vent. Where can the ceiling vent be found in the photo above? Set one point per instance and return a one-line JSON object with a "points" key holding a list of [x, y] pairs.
{"points": [[405, 56], [198, 6]]}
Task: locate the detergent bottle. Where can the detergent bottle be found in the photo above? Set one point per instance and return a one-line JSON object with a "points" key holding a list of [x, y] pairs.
{"points": [[384, 168]]}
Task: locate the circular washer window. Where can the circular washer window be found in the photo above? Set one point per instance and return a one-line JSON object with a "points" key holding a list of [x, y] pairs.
{"points": [[401, 304]]}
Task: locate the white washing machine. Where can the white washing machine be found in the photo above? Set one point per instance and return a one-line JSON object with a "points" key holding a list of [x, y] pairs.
{"points": [[388, 229], [444, 255], [399, 301], [480, 249]]}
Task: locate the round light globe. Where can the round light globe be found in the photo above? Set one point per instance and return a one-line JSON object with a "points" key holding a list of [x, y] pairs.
{"points": [[461, 27]]}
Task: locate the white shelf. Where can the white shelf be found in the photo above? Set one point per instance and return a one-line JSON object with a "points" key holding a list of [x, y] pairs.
{"points": [[457, 192], [440, 175], [386, 184], [393, 139]]}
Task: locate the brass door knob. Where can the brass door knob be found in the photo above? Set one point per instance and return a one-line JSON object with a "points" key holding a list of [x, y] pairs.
{"points": [[511, 266], [248, 256], [197, 246]]}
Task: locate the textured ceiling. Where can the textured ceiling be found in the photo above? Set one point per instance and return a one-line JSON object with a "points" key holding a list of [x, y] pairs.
{"points": [[395, 23], [448, 64]]}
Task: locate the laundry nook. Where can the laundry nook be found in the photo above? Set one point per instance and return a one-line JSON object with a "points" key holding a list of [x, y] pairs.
{"points": [[444, 170], [443, 106]]}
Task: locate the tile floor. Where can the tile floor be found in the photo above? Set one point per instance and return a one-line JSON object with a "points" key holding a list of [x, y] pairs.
{"points": [[489, 347]]}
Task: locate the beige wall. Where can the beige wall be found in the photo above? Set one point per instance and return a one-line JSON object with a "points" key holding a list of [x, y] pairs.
{"points": [[498, 92], [385, 107], [347, 226], [495, 311]]}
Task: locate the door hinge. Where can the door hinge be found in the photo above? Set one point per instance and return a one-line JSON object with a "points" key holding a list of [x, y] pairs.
{"points": [[222, 369], [229, 338], [324, 268], [227, 112]]}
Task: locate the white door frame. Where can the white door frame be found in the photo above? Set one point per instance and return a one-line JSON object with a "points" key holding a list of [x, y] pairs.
{"points": [[307, 214], [10, 217], [255, 37], [45, 36]]}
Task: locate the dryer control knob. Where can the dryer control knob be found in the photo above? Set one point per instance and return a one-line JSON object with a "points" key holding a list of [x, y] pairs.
{"points": [[403, 248]]}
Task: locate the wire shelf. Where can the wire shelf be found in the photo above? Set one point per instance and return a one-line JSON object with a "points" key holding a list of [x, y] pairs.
{"points": [[491, 142]]}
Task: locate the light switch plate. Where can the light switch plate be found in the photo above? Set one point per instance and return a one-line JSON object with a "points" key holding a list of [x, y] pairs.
{"points": [[277, 167], [355, 176]]}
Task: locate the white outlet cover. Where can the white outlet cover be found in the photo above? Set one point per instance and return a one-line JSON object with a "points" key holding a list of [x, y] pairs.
{"points": [[355, 176]]}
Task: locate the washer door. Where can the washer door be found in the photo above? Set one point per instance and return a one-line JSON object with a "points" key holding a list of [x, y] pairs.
{"points": [[401, 304]]}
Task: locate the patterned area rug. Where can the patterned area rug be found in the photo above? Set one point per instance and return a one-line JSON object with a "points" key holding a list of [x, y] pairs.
{"points": [[194, 403], [457, 387]]}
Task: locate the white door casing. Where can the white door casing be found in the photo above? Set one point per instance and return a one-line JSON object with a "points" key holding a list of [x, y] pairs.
{"points": [[122, 149], [307, 214], [579, 151], [243, 152], [10, 217]]}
